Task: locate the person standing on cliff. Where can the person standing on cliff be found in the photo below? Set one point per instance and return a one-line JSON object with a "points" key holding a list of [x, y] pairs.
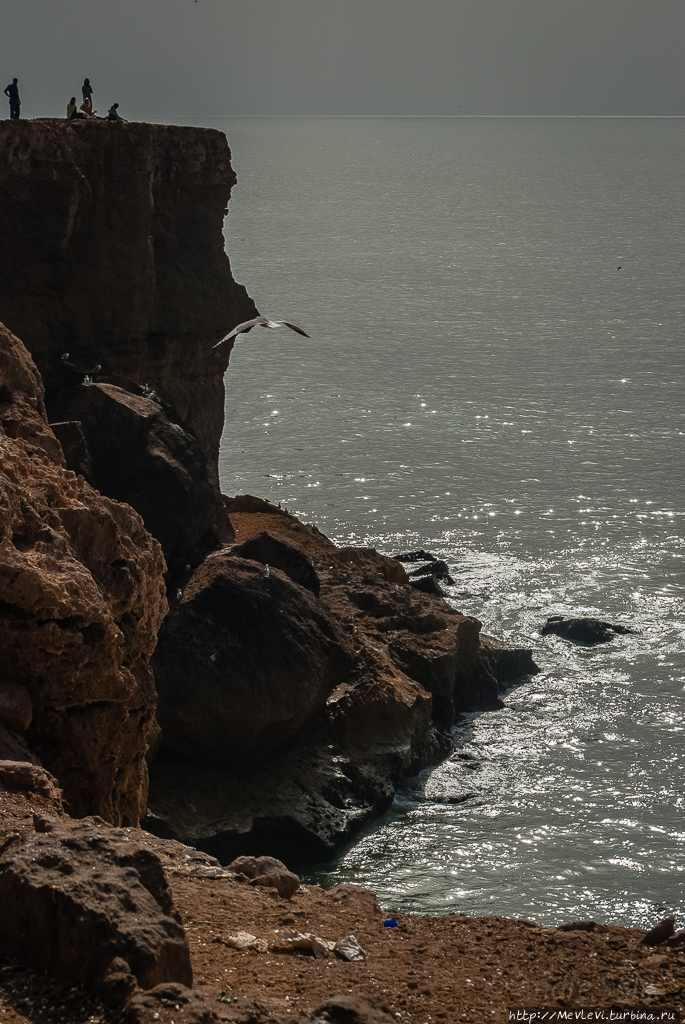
{"points": [[87, 90], [12, 92]]}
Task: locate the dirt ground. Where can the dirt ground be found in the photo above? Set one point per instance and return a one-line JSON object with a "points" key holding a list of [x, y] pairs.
{"points": [[425, 970]]}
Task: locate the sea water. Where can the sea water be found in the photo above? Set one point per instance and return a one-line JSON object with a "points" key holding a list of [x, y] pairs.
{"points": [[495, 373]]}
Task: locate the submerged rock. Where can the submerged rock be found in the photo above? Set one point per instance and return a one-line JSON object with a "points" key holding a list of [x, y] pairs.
{"points": [[415, 556], [583, 631], [435, 568]]}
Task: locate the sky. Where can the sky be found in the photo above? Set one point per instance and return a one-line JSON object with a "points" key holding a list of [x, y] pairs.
{"points": [[181, 58]]}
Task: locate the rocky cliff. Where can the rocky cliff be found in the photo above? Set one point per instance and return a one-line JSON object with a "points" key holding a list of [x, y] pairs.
{"points": [[113, 251], [81, 601], [297, 682]]}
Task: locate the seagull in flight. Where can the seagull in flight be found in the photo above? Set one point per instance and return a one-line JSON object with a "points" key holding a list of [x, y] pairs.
{"points": [[259, 321]]}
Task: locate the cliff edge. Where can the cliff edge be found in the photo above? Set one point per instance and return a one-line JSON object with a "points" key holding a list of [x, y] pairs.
{"points": [[113, 251], [297, 682]]}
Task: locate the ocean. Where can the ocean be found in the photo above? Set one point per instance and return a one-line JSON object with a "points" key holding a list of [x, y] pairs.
{"points": [[495, 373]]}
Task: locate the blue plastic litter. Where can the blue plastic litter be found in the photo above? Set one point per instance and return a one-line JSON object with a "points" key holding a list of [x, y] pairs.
{"points": [[390, 923]]}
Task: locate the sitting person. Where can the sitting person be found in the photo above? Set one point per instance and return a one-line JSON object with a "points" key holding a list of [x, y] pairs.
{"points": [[114, 115], [87, 109], [72, 112]]}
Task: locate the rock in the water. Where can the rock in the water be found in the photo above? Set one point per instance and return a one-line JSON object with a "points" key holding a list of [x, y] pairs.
{"points": [[140, 456], [435, 568], [583, 631], [428, 585], [506, 664], [97, 899], [278, 655], [269, 872], [416, 556]]}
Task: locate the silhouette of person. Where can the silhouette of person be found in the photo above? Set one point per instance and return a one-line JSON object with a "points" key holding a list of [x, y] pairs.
{"points": [[114, 115], [12, 92], [87, 90], [73, 113]]}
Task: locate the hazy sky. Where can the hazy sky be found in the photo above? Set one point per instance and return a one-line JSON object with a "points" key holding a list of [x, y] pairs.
{"points": [[183, 58]]}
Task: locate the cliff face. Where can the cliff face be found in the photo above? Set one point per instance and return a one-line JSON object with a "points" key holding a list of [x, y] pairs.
{"points": [[298, 683], [81, 600], [113, 251]]}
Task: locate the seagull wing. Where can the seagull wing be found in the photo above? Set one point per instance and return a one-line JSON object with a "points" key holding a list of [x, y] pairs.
{"points": [[292, 327], [247, 326], [260, 321]]}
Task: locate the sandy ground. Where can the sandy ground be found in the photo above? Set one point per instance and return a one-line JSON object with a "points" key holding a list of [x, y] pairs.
{"points": [[427, 969]]}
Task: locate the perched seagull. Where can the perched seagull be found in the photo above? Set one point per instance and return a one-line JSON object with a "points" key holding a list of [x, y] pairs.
{"points": [[259, 321], [86, 374]]}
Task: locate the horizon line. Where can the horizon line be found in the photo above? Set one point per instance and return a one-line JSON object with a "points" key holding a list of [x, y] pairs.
{"points": [[512, 116]]}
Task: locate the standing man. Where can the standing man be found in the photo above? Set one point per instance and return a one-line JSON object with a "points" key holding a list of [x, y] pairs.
{"points": [[12, 92]]}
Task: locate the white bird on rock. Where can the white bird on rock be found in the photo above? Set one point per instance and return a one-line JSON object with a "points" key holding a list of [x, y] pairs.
{"points": [[259, 321]]}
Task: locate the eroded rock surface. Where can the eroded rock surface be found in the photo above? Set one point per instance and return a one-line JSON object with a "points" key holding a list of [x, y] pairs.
{"points": [[81, 600], [406, 664], [75, 898], [113, 251], [137, 454], [243, 660]]}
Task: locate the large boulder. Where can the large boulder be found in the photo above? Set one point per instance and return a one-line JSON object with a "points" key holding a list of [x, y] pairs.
{"points": [[81, 599], [244, 658], [140, 456], [417, 664], [76, 899]]}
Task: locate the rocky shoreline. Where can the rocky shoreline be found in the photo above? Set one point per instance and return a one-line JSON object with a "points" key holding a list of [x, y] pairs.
{"points": [[104, 925], [208, 665], [293, 683]]}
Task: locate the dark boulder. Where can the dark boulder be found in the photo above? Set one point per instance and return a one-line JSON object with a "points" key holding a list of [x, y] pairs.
{"points": [[415, 556], [583, 631], [427, 585], [139, 456], [242, 661], [74, 899], [506, 664], [352, 1009], [277, 554], [436, 568]]}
